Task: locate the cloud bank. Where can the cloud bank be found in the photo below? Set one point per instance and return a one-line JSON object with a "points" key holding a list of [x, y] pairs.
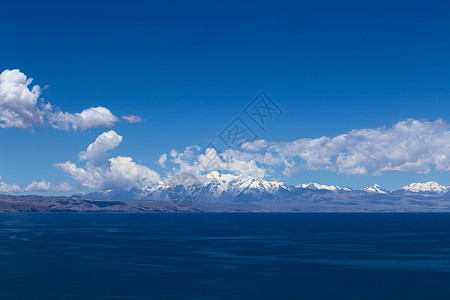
{"points": [[408, 146], [35, 186], [20, 108]]}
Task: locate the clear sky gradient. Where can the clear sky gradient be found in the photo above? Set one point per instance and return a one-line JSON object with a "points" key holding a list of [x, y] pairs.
{"points": [[188, 68]]}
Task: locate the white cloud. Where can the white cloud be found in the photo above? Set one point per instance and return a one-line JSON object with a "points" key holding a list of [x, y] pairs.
{"points": [[19, 108], [86, 179], [103, 173], [132, 119], [38, 186], [408, 146], [162, 160], [35, 186], [18, 103], [200, 164], [63, 187], [254, 146], [89, 118], [95, 155], [6, 188]]}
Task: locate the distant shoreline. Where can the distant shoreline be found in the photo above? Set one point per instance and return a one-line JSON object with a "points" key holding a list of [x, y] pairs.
{"points": [[43, 204]]}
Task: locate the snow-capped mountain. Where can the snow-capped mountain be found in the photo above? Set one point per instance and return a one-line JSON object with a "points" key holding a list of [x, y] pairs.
{"points": [[228, 189], [317, 186], [221, 183], [377, 189], [427, 187]]}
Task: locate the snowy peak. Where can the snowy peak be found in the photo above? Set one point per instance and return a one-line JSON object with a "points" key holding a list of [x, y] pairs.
{"points": [[236, 184], [376, 189], [316, 186], [427, 187]]}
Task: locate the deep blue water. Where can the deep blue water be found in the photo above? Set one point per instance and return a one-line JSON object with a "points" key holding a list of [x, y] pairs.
{"points": [[224, 256]]}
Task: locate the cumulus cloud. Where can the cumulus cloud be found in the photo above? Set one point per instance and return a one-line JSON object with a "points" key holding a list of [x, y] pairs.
{"points": [[38, 186], [35, 186], [95, 155], [408, 146], [6, 188], [200, 164], [100, 172], [89, 118], [18, 103], [20, 108]]}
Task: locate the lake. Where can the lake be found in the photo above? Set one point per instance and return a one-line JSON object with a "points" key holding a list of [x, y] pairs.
{"points": [[225, 256]]}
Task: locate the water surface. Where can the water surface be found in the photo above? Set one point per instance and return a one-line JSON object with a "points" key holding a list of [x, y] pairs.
{"points": [[224, 256]]}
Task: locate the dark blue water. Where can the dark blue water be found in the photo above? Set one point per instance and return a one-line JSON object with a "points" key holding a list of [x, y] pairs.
{"points": [[224, 256]]}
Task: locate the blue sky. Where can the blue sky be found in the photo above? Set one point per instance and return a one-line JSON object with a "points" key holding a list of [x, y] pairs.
{"points": [[188, 68]]}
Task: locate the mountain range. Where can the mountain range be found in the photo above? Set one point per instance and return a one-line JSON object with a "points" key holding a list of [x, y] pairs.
{"points": [[278, 196], [229, 193]]}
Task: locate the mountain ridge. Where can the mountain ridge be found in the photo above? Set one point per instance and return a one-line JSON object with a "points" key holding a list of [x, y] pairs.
{"points": [[228, 193], [220, 184]]}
